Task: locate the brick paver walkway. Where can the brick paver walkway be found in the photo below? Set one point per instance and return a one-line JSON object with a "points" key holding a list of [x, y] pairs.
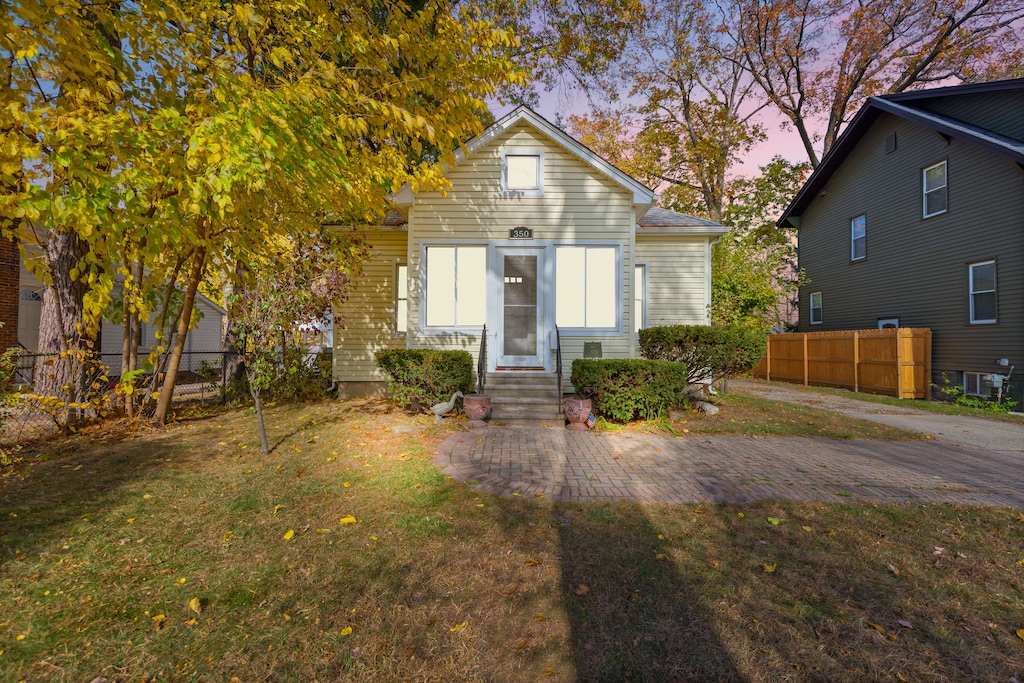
{"points": [[568, 465]]}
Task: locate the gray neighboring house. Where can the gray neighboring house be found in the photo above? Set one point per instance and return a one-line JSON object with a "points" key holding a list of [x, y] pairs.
{"points": [[915, 218]]}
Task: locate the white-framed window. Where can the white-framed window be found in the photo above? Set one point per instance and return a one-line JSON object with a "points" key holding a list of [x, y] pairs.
{"points": [[30, 295], [815, 308], [522, 173], [888, 323], [454, 287], [982, 277], [858, 238], [640, 297], [934, 185], [978, 384], [401, 299], [587, 287]]}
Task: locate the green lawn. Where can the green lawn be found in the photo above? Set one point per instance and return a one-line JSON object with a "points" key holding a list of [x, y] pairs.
{"points": [[346, 555]]}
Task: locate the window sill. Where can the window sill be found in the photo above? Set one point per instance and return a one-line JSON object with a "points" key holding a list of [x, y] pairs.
{"points": [[588, 332]]}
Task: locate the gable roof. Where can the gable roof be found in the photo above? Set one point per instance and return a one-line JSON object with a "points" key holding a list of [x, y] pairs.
{"points": [[907, 105], [643, 196]]}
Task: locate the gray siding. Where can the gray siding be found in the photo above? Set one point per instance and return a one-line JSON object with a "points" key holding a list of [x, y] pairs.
{"points": [[917, 269], [999, 112]]}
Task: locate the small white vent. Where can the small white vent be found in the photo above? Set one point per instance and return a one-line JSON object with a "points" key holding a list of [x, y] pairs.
{"points": [[890, 144]]}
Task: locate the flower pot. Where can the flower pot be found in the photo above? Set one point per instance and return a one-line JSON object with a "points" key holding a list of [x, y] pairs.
{"points": [[477, 409], [577, 410]]}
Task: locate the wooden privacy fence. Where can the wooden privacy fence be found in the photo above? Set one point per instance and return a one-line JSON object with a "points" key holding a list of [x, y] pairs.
{"points": [[896, 362]]}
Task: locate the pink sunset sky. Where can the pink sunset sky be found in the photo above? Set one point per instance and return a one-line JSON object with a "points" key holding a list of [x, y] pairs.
{"points": [[782, 140]]}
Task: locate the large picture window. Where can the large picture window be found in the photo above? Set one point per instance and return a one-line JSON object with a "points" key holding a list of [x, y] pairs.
{"points": [[456, 286], [983, 292], [586, 287], [935, 189]]}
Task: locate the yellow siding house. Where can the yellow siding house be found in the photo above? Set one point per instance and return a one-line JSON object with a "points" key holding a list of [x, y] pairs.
{"points": [[536, 234]]}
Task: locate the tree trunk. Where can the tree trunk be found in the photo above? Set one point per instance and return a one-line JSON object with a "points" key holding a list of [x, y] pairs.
{"points": [[234, 362], [61, 322], [163, 405], [264, 445]]}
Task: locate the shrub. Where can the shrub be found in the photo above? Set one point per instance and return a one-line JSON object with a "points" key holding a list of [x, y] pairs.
{"points": [[425, 375], [630, 389], [710, 352]]}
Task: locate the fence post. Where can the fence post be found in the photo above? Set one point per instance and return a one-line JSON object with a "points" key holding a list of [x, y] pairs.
{"points": [[224, 377], [898, 336], [768, 360], [806, 375], [856, 361]]}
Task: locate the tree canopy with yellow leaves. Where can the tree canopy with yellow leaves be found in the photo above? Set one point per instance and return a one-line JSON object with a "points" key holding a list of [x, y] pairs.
{"points": [[149, 142]]}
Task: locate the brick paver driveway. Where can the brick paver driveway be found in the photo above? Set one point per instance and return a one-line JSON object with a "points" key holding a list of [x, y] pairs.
{"points": [[661, 469]]}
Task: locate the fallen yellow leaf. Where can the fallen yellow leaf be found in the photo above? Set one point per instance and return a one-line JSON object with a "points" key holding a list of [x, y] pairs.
{"points": [[228, 534], [277, 507], [768, 567], [182, 580], [130, 520], [774, 521], [20, 636], [806, 528], [288, 534], [540, 495], [1020, 633], [458, 627], [531, 563], [196, 605], [347, 519], [160, 617], [347, 631], [191, 622], [540, 617], [660, 556], [346, 484]]}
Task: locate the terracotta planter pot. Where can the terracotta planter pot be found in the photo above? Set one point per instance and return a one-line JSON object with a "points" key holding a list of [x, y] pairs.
{"points": [[577, 410], [477, 408]]}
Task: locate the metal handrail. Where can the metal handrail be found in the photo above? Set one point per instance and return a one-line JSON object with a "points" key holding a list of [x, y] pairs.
{"points": [[481, 362], [558, 365]]}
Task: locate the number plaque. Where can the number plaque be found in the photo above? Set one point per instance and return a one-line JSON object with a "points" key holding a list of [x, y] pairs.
{"points": [[520, 233]]}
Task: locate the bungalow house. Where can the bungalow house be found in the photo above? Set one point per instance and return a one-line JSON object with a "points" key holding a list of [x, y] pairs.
{"points": [[537, 234], [915, 218]]}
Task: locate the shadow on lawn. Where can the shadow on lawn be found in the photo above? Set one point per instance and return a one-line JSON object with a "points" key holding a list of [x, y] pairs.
{"points": [[633, 615], [41, 497]]}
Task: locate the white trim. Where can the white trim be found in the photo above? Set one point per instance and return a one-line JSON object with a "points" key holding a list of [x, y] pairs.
{"points": [[971, 292], [853, 238], [537, 191], [810, 308], [496, 275], [422, 293], [619, 247], [925, 191]]}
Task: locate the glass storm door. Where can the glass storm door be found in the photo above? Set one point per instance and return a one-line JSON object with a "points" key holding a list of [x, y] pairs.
{"points": [[520, 343]]}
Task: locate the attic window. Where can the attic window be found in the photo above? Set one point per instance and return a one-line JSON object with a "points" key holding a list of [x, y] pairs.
{"points": [[890, 144], [523, 174]]}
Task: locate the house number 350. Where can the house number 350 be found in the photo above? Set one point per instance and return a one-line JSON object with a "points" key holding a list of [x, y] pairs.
{"points": [[520, 233]]}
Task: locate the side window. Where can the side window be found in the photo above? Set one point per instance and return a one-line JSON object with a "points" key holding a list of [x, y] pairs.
{"points": [[982, 278], [401, 295], [815, 308], [934, 185], [858, 238], [640, 297]]}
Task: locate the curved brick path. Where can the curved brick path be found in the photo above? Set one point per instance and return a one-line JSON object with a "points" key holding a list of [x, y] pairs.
{"points": [[568, 465]]}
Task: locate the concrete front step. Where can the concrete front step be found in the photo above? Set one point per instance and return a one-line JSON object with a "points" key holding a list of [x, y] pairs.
{"points": [[524, 396]]}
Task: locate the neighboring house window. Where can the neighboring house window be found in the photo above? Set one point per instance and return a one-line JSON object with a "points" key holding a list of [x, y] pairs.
{"points": [[523, 174], [640, 297], [888, 323], [456, 286], [816, 308], [401, 290], [586, 287], [935, 189], [978, 384], [983, 292], [29, 295], [857, 238]]}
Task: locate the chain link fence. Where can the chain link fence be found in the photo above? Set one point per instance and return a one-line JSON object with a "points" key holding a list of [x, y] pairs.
{"points": [[200, 377]]}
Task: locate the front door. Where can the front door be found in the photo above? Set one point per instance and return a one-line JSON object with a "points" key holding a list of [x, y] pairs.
{"points": [[520, 342]]}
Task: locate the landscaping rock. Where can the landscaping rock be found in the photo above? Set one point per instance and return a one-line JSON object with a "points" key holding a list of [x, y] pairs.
{"points": [[706, 408]]}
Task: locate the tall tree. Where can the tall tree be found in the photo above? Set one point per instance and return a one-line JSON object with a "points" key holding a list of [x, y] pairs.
{"points": [[208, 129], [689, 105], [817, 61]]}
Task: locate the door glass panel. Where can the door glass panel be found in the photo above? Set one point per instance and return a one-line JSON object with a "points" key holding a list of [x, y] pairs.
{"points": [[520, 305]]}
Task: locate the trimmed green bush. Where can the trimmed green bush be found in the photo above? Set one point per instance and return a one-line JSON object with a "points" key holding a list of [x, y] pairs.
{"points": [[707, 351], [630, 389], [425, 375]]}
